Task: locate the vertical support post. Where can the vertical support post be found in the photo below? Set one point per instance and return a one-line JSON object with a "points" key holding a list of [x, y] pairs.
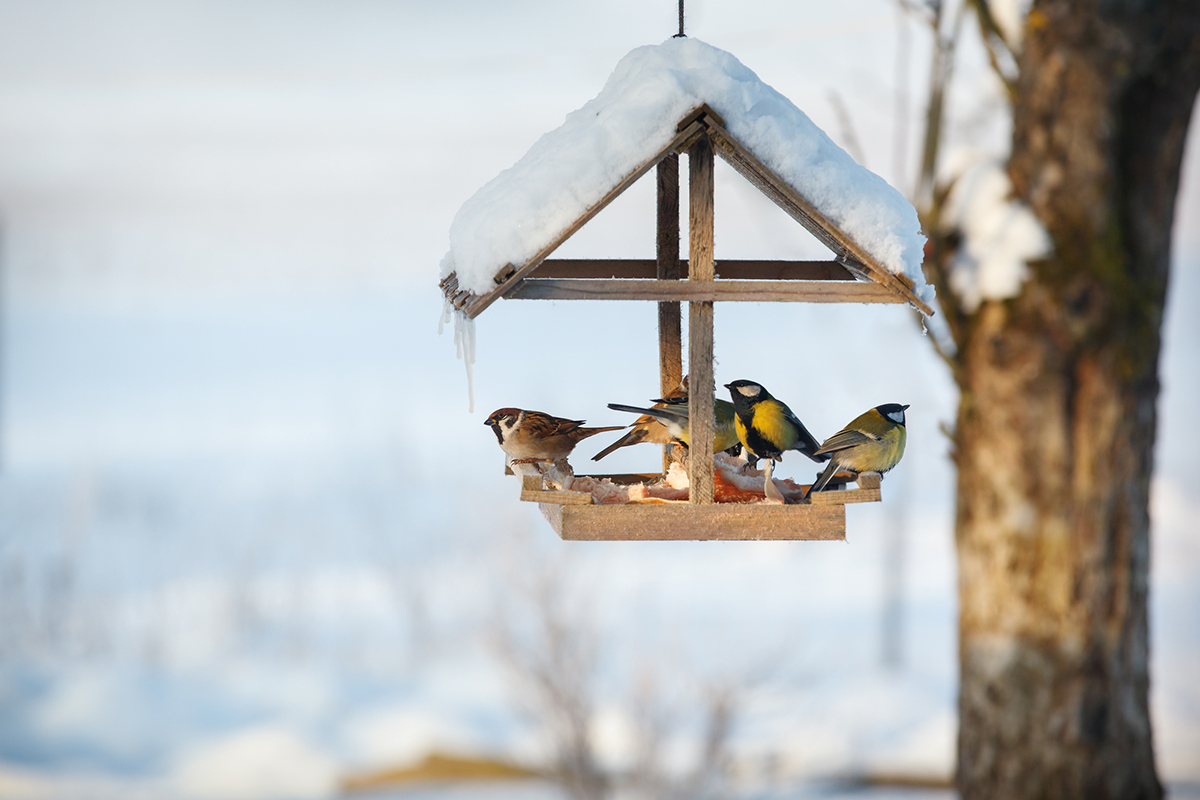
{"points": [[700, 322], [670, 321]]}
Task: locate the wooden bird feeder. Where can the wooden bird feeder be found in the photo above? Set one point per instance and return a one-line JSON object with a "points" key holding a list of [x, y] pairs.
{"points": [[853, 276]]}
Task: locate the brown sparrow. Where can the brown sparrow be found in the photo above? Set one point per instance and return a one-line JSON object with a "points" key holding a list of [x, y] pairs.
{"points": [[646, 428], [527, 436]]}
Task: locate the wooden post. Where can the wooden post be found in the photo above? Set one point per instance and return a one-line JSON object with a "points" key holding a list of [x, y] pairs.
{"points": [[670, 322], [700, 322]]}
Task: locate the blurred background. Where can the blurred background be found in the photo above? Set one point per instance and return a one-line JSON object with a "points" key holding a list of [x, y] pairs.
{"points": [[254, 545]]}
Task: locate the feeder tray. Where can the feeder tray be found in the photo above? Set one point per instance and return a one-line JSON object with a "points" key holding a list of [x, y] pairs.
{"points": [[576, 516], [853, 276]]}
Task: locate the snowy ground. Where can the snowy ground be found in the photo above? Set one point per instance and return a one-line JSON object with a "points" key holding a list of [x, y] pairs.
{"points": [[251, 541]]}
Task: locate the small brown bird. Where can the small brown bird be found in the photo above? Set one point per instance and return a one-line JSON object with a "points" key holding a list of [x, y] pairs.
{"points": [[646, 428], [527, 436]]}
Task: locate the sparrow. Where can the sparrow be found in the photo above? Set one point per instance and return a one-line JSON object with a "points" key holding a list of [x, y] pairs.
{"points": [[646, 428], [672, 414], [766, 427], [872, 442], [527, 436]]}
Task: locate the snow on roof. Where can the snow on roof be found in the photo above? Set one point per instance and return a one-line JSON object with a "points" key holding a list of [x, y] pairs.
{"points": [[570, 169]]}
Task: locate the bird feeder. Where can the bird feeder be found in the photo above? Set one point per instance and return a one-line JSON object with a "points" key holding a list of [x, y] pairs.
{"points": [[854, 275]]}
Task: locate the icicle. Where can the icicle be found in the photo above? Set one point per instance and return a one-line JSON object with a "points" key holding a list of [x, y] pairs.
{"points": [[464, 341], [464, 344]]}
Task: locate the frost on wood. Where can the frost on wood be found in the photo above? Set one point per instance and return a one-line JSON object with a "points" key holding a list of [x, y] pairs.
{"points": [[999, 237], [464, 343], [570, 169]]}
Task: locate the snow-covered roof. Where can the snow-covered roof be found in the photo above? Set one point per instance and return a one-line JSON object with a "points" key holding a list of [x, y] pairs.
{"points": [[569, 170]]}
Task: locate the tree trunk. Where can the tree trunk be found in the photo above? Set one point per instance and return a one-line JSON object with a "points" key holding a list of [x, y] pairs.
{"points": [[1056, 424]]}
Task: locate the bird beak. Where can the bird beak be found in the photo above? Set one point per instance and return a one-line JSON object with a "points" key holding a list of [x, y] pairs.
{"points": [[903, 408], [726, 385]]}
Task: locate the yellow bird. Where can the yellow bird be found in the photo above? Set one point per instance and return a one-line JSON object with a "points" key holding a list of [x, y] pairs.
{"points": [[673, 414], [766, 427], [872, 442], [646, 428]]}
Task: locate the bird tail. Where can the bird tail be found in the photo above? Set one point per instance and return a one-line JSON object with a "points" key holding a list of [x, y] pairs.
{"points": [[829, 471], [630, 409], [586, 432], [631, 438]]}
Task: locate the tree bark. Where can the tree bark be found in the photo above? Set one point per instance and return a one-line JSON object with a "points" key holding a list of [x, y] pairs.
{"points": [[1056, 424]]}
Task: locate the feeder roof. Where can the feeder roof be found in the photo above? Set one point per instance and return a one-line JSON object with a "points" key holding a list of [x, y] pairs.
{"points": [[521, 212]]}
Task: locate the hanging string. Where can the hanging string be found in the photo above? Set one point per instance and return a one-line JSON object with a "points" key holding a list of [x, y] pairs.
{"points": [[680, 34]]}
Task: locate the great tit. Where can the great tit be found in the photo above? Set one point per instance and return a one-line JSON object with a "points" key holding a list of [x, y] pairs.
{"points": [[766, 427], [673, 414], [872, 442]]}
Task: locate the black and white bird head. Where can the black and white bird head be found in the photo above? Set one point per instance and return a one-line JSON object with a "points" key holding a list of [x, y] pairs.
{"points": [[746, 393], [893, 412]]}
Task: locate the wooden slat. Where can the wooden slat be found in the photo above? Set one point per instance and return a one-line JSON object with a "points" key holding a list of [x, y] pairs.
{"points": [[724, 291], [479, 302], [844, 496], [682, 522], [702, 110], [700, 323], [803, 211], [532, 492], [668, 267], [730, 269]]}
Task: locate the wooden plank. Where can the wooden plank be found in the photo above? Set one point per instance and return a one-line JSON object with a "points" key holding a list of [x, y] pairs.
{"points": [[803, 211], [869, 480], [844, 496], [684, 522], [668, 267], [700, 323], [532, 492], [732, 269], [702, 110], [711, 291], [510, 273]]}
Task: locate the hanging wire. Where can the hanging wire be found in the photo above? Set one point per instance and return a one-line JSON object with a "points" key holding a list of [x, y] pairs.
{"points": [[680, 34]]}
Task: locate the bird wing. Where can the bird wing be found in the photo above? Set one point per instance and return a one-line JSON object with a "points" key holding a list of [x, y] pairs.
{"points": [[806, 443], [844, 439]]}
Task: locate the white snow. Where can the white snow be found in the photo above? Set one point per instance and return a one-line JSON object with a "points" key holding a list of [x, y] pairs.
{"points": [[265, 761], [1010, 18], [1000, 236], [568, 170]]}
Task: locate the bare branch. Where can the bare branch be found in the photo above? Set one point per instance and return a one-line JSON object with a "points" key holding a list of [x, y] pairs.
{"points": [[846, 128], [1001, 53]]}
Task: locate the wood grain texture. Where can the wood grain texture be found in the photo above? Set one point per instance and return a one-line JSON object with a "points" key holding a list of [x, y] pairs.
{"points": [[532, 492], [804, 212], [700, 323], [686, 522], [477, 303], [846, 496], [706, 291], [668, 267], [726, 268]]}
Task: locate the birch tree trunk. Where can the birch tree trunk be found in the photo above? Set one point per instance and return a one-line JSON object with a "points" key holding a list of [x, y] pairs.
{"points": [[1056, 425]]}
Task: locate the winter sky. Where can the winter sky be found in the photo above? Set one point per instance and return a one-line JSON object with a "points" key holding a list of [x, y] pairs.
{"points": [[220, 229]]}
